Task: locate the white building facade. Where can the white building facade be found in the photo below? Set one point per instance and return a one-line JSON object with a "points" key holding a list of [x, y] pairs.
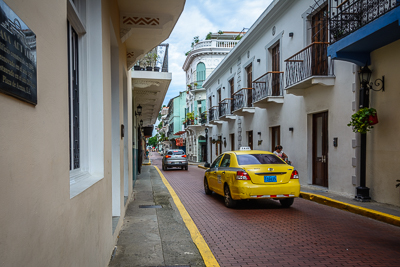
{"points": [[278, 87], [200, 62]]}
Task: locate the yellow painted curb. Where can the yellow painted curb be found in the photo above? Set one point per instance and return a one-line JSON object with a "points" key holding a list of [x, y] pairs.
{"points": [[197, 238], [202, 167], [147, 163], [380, 216]]}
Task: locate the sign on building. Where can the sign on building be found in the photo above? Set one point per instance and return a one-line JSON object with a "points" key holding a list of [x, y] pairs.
{"points": [[18, 76]]}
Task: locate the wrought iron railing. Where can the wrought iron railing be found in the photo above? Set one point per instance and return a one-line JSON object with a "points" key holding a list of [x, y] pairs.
{"points": [[347, 16], [203, 117], [213, 114], [170, 130], [225, 107], [310, 61], [243, 98], [269, 84]]}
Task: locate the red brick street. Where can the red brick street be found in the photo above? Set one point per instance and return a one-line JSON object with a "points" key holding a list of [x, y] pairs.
{"points": [[261, 233]]}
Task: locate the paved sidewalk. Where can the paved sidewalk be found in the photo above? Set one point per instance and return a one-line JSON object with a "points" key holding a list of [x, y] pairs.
{"points": [[154, 235], [375, 210]]}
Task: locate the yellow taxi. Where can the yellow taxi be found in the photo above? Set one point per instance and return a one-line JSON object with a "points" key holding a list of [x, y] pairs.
{"points": [[252, 174]]}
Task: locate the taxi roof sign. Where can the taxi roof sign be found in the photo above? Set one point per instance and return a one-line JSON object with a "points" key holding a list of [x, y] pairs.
{"points": [[244, 148]]}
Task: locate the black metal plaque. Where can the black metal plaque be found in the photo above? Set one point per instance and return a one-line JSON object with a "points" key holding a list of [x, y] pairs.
{"points": [[18, 75]]}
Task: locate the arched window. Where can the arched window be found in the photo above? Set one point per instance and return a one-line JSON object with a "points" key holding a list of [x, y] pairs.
{"points": [[200, 74]]}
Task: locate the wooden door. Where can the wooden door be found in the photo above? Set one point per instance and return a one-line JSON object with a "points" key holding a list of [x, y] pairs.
{"points": [[232, 88], [320, 149], [218, 103], [319, 25], [232, 142], [250, 139], [276, 137], [249, 74], [275, 67]]}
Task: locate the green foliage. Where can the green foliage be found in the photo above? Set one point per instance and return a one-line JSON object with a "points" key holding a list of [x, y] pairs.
{"points": [[220, 32], [188, 52], [360, 120], [153, 141], [208, 36], [190, 115], [238, 37]]}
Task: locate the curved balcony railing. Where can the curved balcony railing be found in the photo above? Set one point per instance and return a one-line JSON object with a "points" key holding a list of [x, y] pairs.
{"points": [[310, 61], [213, 113], [225, 107], [269, 84], [243, 98], [347, 16], [215, 43]]}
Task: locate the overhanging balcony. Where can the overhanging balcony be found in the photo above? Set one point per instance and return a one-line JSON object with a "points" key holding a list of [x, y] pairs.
{"points": [[243, 102], [308, 67], [213, 116], [268, 88], [358, 27], [226, 110]]}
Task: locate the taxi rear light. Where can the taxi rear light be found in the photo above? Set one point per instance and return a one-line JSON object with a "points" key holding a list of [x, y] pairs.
{"points": [[167, 157], [295, 175], [241, 175], [183, 156]]}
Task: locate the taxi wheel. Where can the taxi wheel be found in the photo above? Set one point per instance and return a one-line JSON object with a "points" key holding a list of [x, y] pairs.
{"points": [[186, 167], [229, 202], [206, 188], [286, 202]]}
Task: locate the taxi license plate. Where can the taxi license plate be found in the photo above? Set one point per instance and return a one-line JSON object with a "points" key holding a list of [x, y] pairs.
{"points": [[269, 179]]}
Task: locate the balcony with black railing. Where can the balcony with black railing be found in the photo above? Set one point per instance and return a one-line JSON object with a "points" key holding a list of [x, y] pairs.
{"points": [[358, 27], [268, 88], [243, 101], [226, 109], [310, 66], [213, 115], [203, 117]]}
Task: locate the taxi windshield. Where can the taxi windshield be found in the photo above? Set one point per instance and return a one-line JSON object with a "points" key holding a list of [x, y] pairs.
{"points": [[255, 159]]}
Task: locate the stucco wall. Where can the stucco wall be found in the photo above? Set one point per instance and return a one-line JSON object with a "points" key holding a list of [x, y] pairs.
{"points": [[383, 153], [40, 224]]}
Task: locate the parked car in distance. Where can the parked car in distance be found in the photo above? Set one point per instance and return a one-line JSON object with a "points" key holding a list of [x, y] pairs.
{"points": [[252, 174], [175, 158]]}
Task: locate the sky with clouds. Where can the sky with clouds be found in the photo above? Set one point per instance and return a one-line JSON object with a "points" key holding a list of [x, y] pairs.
{"points": [[199, 18]]}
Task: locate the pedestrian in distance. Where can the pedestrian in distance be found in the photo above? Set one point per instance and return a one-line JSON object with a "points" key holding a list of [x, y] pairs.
{"points": [[278, 151]]}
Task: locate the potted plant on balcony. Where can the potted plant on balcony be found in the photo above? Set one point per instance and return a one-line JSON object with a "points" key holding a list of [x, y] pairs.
{"points": [[363, 120], [148, 60], [190, 117], [195, 85], [154, 60], [189, 87]]}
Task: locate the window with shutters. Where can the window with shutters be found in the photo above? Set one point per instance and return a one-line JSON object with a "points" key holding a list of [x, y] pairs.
{"points": [[200, 74]]}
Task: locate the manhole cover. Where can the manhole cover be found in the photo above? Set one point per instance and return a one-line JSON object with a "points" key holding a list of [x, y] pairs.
{"points": [[150, 206]]}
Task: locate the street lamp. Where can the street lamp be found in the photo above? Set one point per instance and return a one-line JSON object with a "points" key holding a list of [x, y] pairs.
{"points": [[362, 192], [139, 110], [206, 163], [141, 122]]}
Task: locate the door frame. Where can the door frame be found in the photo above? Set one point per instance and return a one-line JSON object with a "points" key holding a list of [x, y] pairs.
{"points": [[322, 162]]}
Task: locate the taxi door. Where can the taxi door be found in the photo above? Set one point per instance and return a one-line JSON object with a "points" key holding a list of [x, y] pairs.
{"points": [[223, 173], [212, 174]]}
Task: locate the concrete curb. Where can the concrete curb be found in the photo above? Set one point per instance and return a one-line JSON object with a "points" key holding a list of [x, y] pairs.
{"points": [[373, 214], [197, 238]]}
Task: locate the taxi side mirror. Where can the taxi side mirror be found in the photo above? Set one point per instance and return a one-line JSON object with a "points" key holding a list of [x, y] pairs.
{"points": [[207, 165]]}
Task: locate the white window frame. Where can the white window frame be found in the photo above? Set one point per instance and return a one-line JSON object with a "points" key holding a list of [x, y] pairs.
{"points": [[90, 94]]}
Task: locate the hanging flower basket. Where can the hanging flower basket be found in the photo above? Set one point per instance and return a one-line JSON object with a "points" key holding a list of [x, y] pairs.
{"points": [[363, 120]]}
